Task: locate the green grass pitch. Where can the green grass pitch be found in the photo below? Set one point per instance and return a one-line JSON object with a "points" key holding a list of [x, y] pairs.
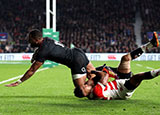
{"points": [[50, 92]]}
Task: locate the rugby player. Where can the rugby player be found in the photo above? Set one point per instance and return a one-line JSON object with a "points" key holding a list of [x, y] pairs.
{"points": [[125, 82], [49, 49], [118, 88]]}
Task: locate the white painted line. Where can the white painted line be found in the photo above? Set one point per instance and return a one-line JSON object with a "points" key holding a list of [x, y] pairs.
{"points": [[14, 62], [149, 68], [11, 79], [20, 76], [146, 67], [139, 65], [42, 69]]}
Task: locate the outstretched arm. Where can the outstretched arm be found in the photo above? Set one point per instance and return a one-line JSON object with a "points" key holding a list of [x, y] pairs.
{"points": [[34, 67]]}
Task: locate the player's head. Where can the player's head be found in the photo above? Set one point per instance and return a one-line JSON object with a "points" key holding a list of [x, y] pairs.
{"points": [[34, 37], [79, 93]]}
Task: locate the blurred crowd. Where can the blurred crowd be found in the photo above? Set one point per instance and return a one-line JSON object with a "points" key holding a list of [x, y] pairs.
{"points": [[97, 26], [103, 26], [17, 18]]}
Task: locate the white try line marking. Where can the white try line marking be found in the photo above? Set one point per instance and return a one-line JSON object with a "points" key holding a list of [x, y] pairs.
{"points": [[20, 76]]}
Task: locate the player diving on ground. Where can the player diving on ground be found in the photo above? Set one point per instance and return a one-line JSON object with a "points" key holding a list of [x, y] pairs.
{"points": [[124, 83]]}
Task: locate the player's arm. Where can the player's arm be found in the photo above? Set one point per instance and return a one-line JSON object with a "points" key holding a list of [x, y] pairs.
{"points": [[84, 90], [100, 77], [34, 55], [34, 67]]}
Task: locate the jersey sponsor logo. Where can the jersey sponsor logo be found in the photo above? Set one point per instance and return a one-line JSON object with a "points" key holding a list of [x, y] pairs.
{"points": [[83, 69], [58, 43]]}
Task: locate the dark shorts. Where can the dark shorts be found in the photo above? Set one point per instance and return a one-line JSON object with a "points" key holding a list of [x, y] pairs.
{"points": [[119, 74], [122, 75], [80, 62]]}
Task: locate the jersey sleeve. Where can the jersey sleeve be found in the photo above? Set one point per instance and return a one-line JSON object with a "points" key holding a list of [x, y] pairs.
{"points": [[98, 91], [39, 55], [112, 74]]}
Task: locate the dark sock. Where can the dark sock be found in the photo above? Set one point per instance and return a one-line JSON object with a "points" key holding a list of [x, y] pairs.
{"points": [[147, 75], [136, 53], [129, 86]]}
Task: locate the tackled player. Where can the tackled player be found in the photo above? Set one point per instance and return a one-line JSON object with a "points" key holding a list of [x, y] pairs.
{"points": [[125, 83]]}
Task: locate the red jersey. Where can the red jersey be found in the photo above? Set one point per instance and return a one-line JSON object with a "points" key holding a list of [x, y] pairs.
{"points": [[113, 90]]}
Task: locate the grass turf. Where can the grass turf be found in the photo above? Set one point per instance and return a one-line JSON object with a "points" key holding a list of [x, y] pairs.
{"points": [[51, 92]]}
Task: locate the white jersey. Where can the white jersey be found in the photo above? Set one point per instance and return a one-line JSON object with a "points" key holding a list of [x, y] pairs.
{"points": [[113, 90]]}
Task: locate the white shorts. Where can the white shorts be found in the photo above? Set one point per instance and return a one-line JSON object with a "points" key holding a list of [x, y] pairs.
{"points": [[122, 91]]}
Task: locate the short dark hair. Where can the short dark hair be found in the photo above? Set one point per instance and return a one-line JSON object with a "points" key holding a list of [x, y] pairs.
{"points": [[35, 34], [78, 92]]}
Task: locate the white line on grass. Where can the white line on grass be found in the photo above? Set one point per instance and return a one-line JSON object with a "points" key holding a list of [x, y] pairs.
{"points": [[139, 65], [20, 76], [142, 66], [14, 62], [149, 68]]}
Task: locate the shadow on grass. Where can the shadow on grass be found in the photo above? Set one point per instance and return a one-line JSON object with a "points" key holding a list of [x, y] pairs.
{"points": [[71, 101], [69, 104], [30, 97]]}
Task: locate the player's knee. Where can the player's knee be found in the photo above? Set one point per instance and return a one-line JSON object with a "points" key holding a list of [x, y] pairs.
{"points": [[126, 57]]}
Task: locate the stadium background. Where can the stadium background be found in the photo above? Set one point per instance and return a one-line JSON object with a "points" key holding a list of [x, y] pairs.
{"points": [[104, 26], [111, 27]]}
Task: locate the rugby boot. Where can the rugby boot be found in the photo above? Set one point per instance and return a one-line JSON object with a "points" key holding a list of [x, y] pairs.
{"points": [[154, 41]]}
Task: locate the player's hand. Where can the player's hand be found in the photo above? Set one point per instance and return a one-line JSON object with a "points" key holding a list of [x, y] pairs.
{"points": [[12, 84], [91, 74], [104, 79], [88, 75]]}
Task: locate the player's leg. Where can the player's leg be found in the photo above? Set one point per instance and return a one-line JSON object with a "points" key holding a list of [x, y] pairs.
{"points": [[79, 68], [135, 80], [153, 43], [124, 66]]}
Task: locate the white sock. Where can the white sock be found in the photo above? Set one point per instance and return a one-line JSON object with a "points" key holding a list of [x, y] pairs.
{"points": [[155, 73], [146, 46]]}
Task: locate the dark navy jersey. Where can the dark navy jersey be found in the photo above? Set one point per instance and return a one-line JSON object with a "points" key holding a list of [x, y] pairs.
{"points": [[54, 51]]}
